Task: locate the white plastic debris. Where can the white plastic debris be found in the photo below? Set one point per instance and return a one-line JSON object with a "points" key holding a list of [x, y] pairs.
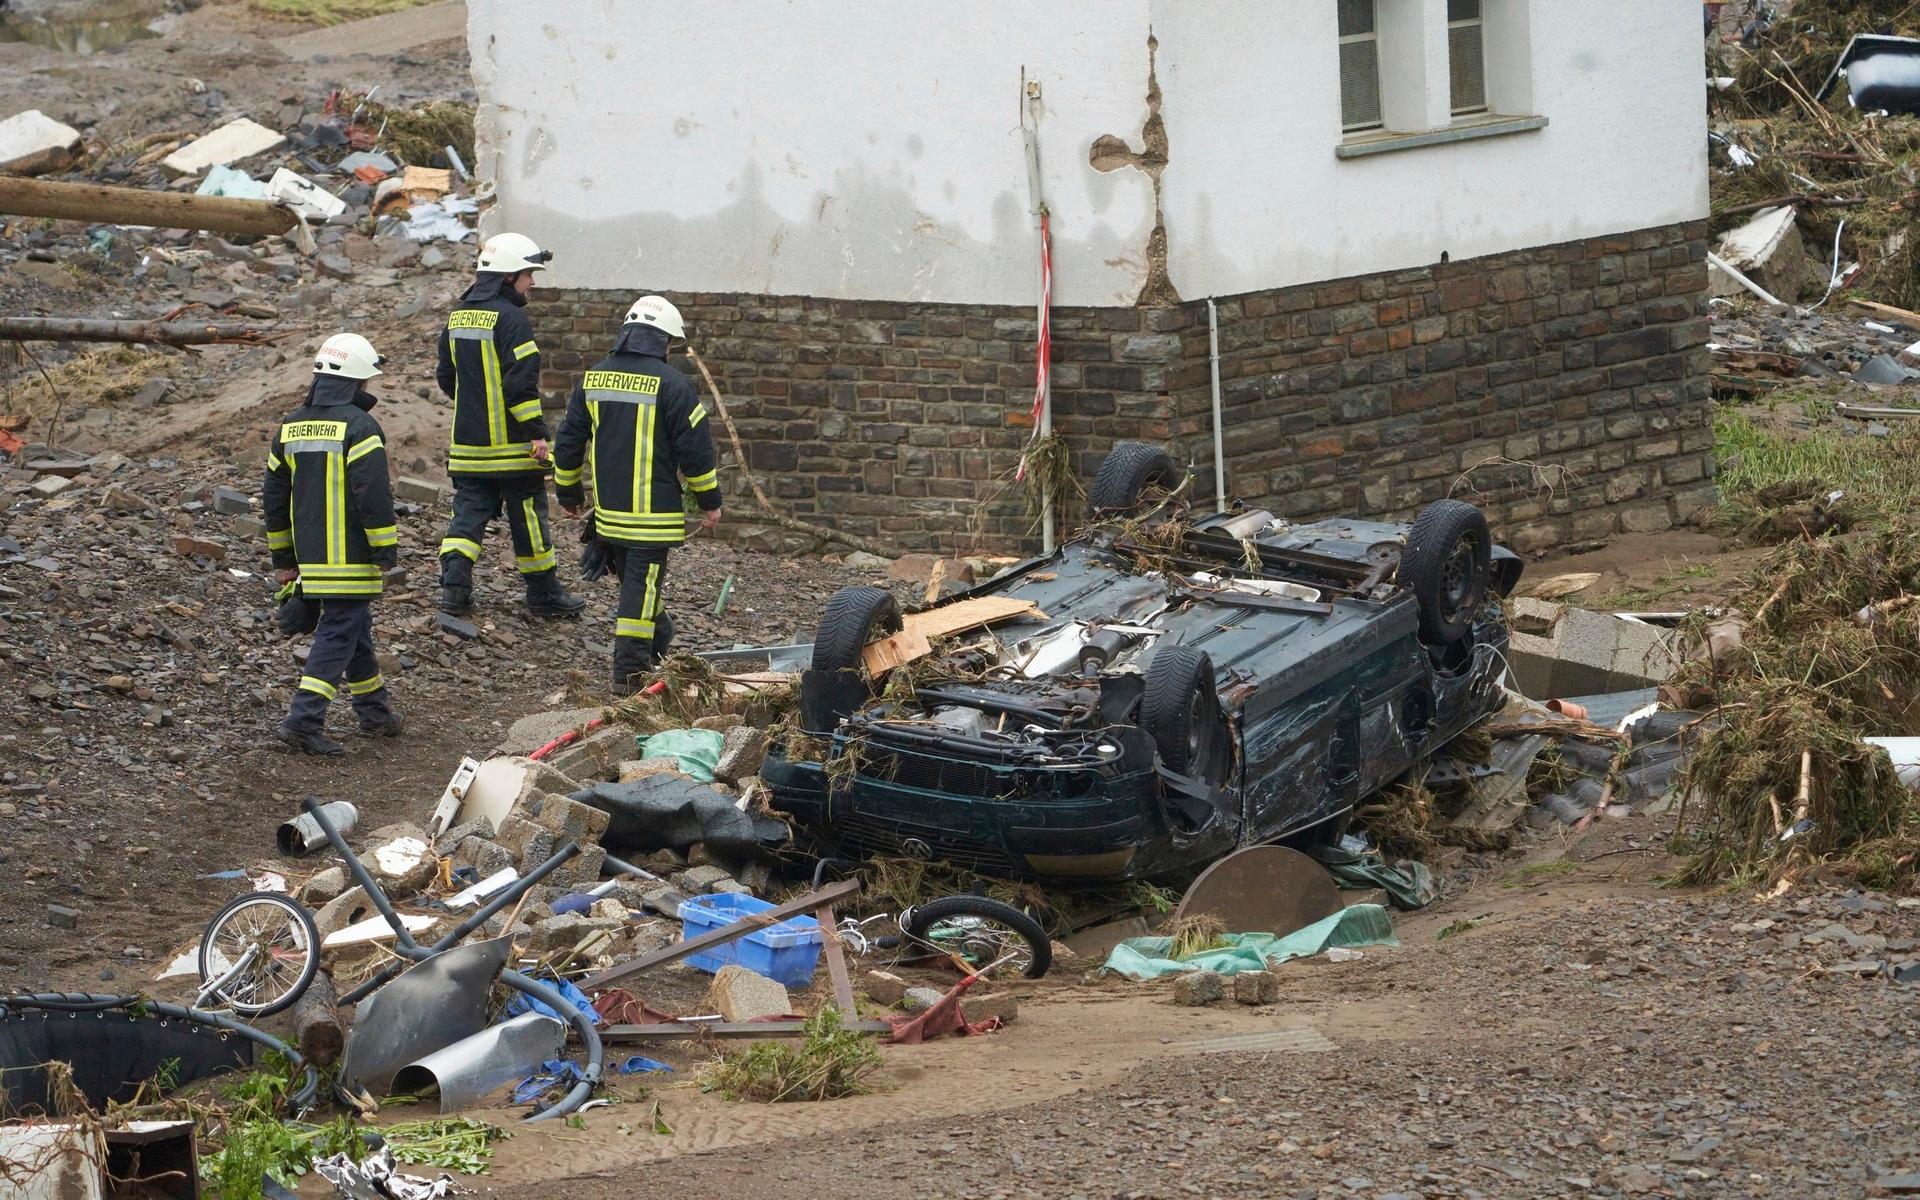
{"points": [[486, 887], [304, 196], [377, 1178], [374, 929], [229, 181], [232, 142], [32, 143], [441, 221]]}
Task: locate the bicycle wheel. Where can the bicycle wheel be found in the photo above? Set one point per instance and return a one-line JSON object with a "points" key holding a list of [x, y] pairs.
{"points": [[982, 931], [285, 950]]}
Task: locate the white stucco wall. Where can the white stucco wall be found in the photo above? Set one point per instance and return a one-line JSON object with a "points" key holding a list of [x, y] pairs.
{"points": [[814, 147], [1618, 80], [871, 148]]}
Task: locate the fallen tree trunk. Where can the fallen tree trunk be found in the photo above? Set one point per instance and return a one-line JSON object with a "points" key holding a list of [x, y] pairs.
{"points": [[316, 1023], [139, 206], [155, 333]]}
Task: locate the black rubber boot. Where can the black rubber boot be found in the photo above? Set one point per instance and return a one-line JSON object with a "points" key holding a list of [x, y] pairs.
{"points": [[303, 742], [546, 598], [633, 661], [456, 584], [390, 726], [662, 637]]}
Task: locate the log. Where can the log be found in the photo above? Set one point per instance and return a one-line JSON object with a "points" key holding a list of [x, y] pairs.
{"points": [[316, 1022], [153, 333], [140, 206]]}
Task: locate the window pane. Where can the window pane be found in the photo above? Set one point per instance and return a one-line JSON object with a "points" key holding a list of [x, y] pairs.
{"points": [[1359, 85], [1463, 10], [1356, 17], [1467, 59]]}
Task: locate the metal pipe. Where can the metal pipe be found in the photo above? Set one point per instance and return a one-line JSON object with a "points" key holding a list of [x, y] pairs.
{"points": [[1734, 274], [1219, 438], [589, 1040], [403, 940], [499, 900]]}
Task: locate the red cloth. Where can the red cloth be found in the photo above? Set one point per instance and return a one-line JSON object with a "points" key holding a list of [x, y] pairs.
{"points": [[943, 1018], [618, 1006]]}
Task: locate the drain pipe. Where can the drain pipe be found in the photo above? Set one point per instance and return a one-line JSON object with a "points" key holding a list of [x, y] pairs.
{"points": [[1219, 444]]}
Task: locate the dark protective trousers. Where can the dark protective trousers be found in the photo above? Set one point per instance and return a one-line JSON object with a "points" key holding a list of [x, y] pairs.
{"points": [[478, 499], [342, 652], [641, 619]]}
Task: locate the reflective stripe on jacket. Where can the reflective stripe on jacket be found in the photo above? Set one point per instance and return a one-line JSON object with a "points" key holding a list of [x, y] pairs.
{"points": [[490, 368], [327, 499], [641, 424]]}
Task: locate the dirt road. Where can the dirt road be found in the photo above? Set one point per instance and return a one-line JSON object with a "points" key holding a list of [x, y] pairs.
{"points": [[1588, 1035]]}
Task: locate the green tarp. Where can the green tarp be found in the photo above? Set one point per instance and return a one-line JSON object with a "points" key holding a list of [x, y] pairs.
{"points": [[1408, 884], [696, 750], [1361, 925]]}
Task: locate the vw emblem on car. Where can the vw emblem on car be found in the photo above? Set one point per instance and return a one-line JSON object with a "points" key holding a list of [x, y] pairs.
{"points": [[915, 848]]}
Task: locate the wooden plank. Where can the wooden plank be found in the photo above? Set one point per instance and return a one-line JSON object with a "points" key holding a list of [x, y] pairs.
{"points": [[141, 206], [836, 960], [1887, 312], [669, 1030], [919, 630], [803, 906]]}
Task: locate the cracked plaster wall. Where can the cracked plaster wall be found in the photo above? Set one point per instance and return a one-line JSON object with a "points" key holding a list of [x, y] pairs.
{"points": [[873, 151]]}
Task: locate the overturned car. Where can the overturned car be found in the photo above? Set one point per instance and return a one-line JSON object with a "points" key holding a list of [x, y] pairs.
{"points": [[1175, 689]]}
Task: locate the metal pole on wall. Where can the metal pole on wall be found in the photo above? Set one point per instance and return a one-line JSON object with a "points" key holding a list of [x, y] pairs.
{"points": [[1219, 440], [1042, 383]]}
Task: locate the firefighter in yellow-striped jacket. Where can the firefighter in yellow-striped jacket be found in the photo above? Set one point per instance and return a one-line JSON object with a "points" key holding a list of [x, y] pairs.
{"points": [[648, 433], [330, 529], [490, 369]]}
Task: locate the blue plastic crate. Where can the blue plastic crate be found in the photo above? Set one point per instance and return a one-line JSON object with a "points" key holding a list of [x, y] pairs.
{"points": [[786, 953]]}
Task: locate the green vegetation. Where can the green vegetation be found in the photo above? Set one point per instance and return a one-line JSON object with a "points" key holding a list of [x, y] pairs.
{"points": [[830, 1062], [333, 12]]}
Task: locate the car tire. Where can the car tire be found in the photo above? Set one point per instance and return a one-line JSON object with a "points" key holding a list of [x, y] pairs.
{"points": [[1181, 712], [1039, 947], [1447, 563], [1126, 473], [852, 618]]}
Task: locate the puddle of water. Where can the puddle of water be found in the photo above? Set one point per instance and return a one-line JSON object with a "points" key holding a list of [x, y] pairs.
{"points": [[75, 36]]}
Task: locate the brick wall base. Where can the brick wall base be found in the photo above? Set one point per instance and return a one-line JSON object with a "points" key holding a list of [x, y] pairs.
{"points": [[1562, 388]]}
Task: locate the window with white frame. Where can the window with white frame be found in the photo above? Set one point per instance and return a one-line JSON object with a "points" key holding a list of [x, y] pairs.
{"points": [[1359, 66], [1467, 57]]}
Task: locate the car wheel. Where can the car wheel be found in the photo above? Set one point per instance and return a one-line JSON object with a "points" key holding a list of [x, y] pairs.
{"points": [[981, 931], [1181, 712], [1129, 469], [1446, 566], [853, 617]]}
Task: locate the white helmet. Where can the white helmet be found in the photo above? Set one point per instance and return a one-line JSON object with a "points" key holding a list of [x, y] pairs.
{"points": [[349, 356], [658, 312], [512, 253]]}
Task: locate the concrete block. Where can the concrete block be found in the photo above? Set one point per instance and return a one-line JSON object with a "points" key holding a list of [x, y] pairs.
{"points": [[232, 142], [50, 485], [402, 860], [592, 758], [466, 631], [1768, 250], [738, 994], [582, 870], [697, 880], [1004, 1005], [529, 844], [1256, 987], [324, 888], [564, 932], [231, 501], [920, 999], [883, 987], [484, 856], [32, 143], [570, 820], [1558, 650], [345, 909], [741, 754], [1196, 989], [420, 491], [61, 917]]}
